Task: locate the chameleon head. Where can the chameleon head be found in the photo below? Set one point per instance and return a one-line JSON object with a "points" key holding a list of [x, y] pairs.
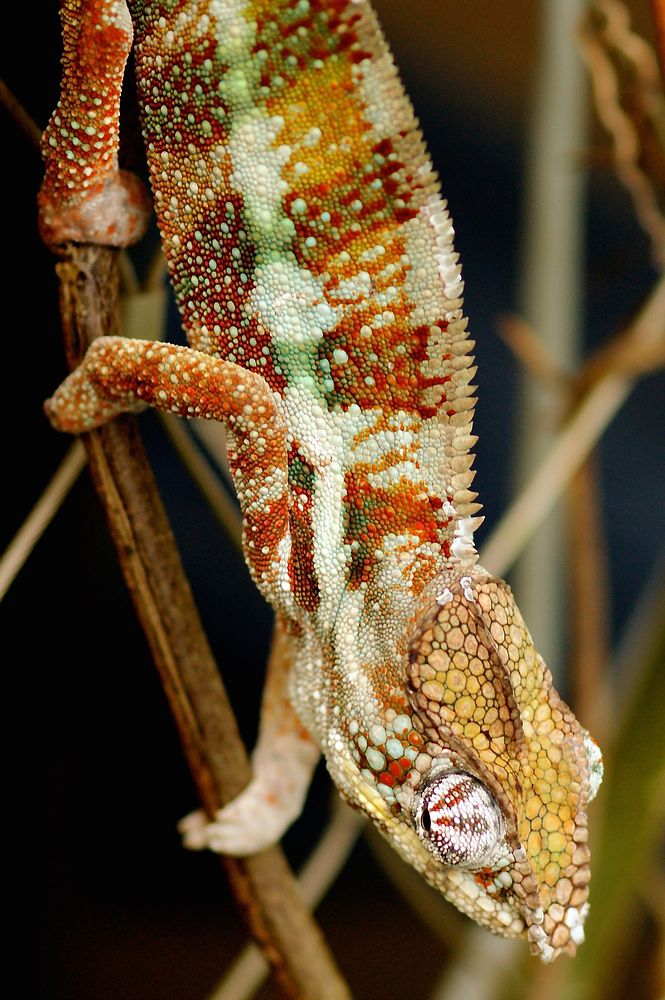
{"points": [[497, 797]]}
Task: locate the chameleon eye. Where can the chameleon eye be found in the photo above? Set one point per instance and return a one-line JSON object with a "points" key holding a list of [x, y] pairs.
{"points": [[458, 820]]}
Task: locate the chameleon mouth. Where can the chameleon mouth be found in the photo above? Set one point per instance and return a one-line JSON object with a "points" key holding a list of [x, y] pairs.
{"points": [[506, 896], [563, 937], [557, 926], [550, 930]]}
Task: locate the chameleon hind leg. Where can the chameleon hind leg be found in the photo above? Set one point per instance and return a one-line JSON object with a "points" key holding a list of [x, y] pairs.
{"points": [[85, 197], [117, 375], [283, 762]]}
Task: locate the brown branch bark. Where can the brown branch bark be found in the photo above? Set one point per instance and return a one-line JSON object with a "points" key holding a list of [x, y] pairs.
{"points": [[588, 601], [629, 102], [263, 884], [659, 17], [19, 115]]}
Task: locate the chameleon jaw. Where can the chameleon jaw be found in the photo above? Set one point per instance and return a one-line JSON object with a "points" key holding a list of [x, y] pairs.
{"points": [[460, 886], [505, 900]]}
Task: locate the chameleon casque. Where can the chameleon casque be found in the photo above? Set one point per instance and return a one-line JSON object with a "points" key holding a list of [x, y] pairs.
{"points": [[312, 260]]}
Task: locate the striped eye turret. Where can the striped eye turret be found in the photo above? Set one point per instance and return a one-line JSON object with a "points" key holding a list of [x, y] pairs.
{"points": [[458, 820]]}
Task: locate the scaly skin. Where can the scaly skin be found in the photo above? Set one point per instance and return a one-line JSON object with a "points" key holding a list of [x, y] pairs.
{"points": [[312, 261]]}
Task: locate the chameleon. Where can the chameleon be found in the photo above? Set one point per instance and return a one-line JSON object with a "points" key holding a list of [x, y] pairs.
{"points": [[312, 260]]}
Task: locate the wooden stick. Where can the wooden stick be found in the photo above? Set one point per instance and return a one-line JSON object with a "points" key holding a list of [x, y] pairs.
{"points": [[19, 115], [588, 602], [16, 554], [659, 17], [263, 884], [574, 442]]}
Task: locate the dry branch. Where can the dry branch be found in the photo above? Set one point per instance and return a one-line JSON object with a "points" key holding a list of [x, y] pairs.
{"points": [[15, 555], [588, 602], [601, 389], [632, 110], [263, 884], [659, 17], [19, 115]]}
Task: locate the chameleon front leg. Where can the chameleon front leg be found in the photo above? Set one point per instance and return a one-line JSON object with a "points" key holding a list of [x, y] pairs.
{"points": [[283, 762], [85, 197], [119, 374]]}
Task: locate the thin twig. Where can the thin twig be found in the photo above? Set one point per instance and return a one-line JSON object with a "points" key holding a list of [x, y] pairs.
{"points": [[157, 272], [41, 515], [653, 894], [443, 921], [207, 481], [546, 982], [659, 17], [530, 350], [213, 439], [631, 353], [571, 447], [19, 115], [546, 485], [627, 145], [479, 968], [130, 282], [321, 869], [262, 884], [588, 600]]}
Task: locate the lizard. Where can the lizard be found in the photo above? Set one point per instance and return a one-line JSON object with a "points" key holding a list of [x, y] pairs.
{"points": [[312, 260]]}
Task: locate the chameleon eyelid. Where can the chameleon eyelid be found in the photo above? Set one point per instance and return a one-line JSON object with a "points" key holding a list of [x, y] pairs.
{"points": [[464, 823]]}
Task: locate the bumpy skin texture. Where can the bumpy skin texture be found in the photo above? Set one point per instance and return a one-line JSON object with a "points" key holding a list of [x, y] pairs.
{"points": [[312, 260]]}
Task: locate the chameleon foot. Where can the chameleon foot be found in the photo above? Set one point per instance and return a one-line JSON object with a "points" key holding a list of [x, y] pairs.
{"points": [[267, 807], [255, 820]]}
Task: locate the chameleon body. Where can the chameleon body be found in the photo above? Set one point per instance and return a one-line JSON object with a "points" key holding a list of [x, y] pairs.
{"points": [[312, 261]]}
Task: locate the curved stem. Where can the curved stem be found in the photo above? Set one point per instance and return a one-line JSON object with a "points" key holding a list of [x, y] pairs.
{"points": [[576, 439], [322, 867], [41, 515]]}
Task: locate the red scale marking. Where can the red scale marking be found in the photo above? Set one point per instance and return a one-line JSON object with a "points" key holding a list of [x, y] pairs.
{"points": [[302, 573], [198, 309], [400, 509], [485, 877]]}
